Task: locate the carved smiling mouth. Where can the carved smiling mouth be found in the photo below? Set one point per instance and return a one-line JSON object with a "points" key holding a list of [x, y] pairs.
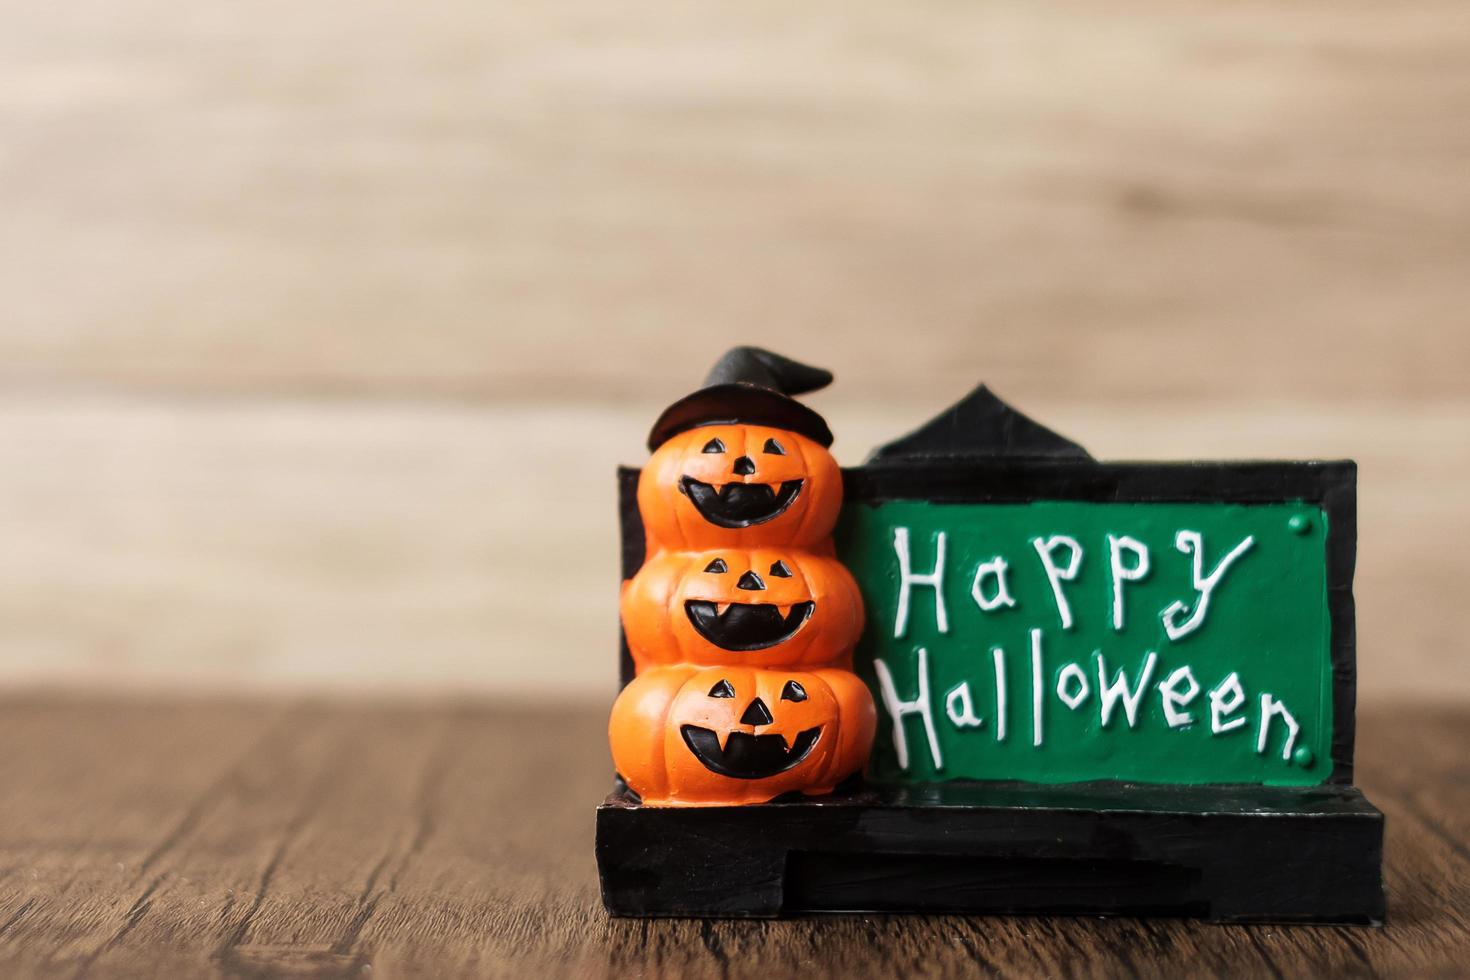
{"points": [[744, 627], [737, 505], [746, 756]]}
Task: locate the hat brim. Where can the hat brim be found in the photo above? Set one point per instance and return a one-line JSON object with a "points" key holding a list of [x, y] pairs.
{"points": [[738, 403]]}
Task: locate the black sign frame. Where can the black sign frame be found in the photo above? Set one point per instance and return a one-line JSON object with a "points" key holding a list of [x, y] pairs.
{"points": [[1218, 852]]}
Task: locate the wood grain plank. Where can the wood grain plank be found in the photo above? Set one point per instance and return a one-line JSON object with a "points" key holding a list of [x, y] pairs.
{"points": [[100, 798], [1225, 200], [455, 840], [325, 821], [509, 857], [1420, 774], [436, 548]]}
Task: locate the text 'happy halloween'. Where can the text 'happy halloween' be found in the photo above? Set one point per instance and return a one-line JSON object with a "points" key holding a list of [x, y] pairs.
{"points": [[1097, 683]]}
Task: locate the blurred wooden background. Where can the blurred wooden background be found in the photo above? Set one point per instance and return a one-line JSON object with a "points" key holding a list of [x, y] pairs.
{"points": [[323, 325]]}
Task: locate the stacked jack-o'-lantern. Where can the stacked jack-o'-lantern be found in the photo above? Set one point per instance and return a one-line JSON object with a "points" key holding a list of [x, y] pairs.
{"points": [[741, 621]]}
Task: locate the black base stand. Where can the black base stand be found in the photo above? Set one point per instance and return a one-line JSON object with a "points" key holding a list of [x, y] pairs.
{"points": [[1226, 854]]}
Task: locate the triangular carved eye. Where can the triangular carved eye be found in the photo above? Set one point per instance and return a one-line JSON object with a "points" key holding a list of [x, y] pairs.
{"points": [[713, 446], [717, 567], [724, 690], [793, 692], [773, 447], [780, 570]]}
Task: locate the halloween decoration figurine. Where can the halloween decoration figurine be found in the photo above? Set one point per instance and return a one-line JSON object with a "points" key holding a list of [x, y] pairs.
{"points": [[738, 505], [982, 672]]}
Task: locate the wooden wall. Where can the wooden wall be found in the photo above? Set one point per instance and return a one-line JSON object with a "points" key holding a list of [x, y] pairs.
{"points": [[322, 326]]}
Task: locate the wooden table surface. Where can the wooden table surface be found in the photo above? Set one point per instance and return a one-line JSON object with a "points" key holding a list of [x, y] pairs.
{"points": [[177, 838]]}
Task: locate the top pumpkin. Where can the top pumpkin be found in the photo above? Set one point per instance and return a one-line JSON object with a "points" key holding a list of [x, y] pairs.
{"points": [[739, 486]]}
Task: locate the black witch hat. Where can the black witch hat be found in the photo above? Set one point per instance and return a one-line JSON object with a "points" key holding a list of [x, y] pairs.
{"points": [[749, 385]]}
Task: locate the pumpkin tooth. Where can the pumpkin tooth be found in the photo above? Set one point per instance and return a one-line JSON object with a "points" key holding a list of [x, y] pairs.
{"points": [[720, 607]]}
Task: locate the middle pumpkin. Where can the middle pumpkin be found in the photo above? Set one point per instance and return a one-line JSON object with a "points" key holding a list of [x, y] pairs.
{"points": [[758, 607]]}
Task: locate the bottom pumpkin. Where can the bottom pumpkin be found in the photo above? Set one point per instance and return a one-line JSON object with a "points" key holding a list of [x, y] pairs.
{"points": [[720, 736]]}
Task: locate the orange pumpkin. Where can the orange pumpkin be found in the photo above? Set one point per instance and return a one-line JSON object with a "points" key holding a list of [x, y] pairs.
{"points": [[730, 486], [760, 607], [720, 736]]}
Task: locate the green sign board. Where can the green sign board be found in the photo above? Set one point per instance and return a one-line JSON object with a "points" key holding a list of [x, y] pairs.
{"points": [[1067, 640]]}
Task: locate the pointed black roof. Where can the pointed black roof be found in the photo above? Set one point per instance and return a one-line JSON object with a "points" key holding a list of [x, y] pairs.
{"points": [[980, 425]]}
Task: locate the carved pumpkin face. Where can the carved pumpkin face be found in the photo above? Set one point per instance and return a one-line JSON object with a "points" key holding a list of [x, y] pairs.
{"points": [[734, 486], [682, 736], [760, 607]]}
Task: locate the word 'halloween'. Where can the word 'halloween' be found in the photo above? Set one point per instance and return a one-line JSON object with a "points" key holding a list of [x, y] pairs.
{"points": [[1097, 684]]}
